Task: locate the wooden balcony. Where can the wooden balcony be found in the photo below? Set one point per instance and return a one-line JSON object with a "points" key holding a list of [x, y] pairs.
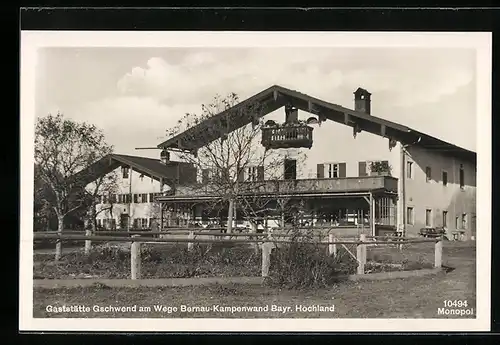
{"points": [[313, 187], [287, 136]]}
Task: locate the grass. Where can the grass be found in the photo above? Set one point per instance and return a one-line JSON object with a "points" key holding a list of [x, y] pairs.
{"points": [[416, 297], [157, 261]]}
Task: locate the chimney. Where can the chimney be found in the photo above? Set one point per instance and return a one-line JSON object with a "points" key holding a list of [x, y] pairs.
{"points": [[362, 101], [291, 114], [165, 156]]}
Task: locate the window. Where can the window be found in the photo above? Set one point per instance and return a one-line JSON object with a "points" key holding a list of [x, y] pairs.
{"points": [[409, 215], [457, 223], [409, 172], [333, 171], [462, 182], [428, 174], [252, 174], [141, 198], [109, 223], [445, 178], [445, 219], [428, 217], [464, 221], [125, 172]]}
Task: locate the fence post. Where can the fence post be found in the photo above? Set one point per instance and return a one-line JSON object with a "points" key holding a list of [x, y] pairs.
{"points": [[266, 257], [332, 248], [438, 253], [88, 243], [58, 248], [135, 259], [191, 237], [361, 254]]}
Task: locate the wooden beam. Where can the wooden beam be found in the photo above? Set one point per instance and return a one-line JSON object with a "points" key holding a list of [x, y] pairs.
{"points": [[275, 95], [346, 118], [382, 130]]}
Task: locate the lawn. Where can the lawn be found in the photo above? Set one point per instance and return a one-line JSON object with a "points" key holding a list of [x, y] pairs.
{"points": [[416, 297]]}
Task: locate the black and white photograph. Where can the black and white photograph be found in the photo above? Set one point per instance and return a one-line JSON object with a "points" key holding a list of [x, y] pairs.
{"points": [[251, 181]]}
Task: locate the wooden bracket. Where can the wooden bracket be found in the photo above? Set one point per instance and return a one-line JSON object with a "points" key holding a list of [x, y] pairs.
{"points": [[355, 130], [382, 130], [392, 143]]}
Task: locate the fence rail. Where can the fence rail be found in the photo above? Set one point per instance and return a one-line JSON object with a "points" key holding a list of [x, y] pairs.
{"points": [[266, 244]]}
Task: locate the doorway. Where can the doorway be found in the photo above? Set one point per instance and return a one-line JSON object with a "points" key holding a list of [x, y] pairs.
{"points": [[290, 169], [124, 221]]}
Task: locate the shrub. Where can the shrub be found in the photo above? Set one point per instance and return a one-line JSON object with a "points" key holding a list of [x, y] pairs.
{"points": [[306, 265]]}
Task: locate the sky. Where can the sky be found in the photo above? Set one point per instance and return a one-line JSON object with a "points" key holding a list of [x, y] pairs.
{"points": [[135, 94]]}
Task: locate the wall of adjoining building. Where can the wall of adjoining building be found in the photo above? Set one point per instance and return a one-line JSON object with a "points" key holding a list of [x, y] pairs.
{"points": [[432, 194], [135, 183]]}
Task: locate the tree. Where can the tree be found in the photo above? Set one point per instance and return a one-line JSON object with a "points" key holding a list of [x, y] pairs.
{"points": [[65, 151], [223, 144], [105, 185]]}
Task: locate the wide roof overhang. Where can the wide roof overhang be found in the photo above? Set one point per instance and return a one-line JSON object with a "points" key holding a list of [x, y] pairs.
{"points": [[277, 96]]}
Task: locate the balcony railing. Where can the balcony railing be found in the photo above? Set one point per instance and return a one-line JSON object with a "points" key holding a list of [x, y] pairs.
{"points": [[292, 136], [298, 187]]}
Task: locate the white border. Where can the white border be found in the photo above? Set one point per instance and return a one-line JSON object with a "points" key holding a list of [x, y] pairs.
{"points": [[31, 40]]}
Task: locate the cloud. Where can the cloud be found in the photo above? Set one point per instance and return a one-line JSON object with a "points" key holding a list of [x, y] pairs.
{"points": [[129, 122], [406, 76]]}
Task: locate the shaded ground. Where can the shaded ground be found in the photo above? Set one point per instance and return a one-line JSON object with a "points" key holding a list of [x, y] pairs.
{"points": [[416, 297]]}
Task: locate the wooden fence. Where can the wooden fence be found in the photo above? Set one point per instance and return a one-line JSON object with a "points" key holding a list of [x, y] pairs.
{"points": [[267, 242]]}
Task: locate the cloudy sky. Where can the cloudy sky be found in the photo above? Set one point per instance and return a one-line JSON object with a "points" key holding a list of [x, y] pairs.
{"points": [[135, 94]]}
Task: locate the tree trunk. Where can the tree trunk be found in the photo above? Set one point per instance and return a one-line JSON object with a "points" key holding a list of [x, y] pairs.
{"points": [[230, 216], [60, 227], [93, 218]]}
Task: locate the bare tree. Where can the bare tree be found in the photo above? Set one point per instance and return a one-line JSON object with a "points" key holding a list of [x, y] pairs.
{"points": [[105, 185], [65, 153], [235, 168]]}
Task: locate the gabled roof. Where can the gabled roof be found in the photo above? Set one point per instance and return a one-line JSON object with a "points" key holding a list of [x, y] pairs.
{"points": [[276, 97], [148, 166]]}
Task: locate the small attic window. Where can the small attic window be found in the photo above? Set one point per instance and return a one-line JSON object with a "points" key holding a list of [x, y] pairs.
{"points": [[362, 96]]}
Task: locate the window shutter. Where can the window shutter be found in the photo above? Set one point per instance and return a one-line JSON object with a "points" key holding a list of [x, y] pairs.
{"points": [[135, 198], [362, 169], [342, 170], [260, 173], [241, 175], [320, 171], [204, 175]]}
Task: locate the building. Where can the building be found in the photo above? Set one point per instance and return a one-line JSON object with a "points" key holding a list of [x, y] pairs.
{"points": [[384, 177], [131, 203]]}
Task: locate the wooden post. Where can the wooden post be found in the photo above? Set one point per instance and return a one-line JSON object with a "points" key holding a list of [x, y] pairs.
{"points": [[135, 259], [191, 237], [332, 248], [88, 243], [361, 254], [438, 253], [266, 258], [372, 215]]}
